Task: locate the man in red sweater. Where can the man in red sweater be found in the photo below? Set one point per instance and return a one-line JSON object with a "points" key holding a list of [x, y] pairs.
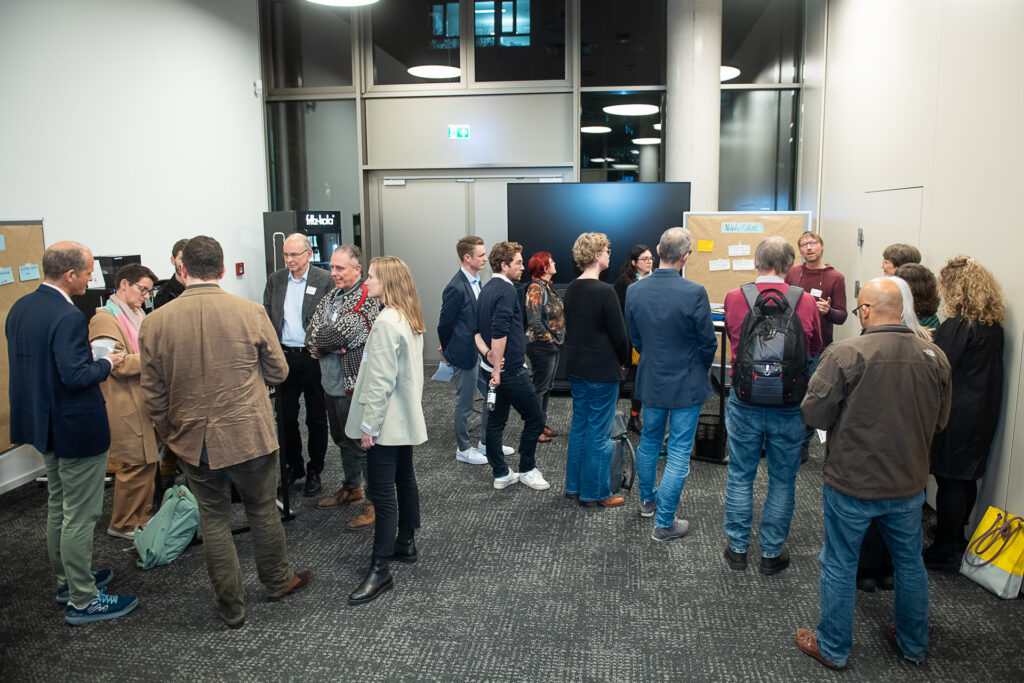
{"points": [[823, 282]]}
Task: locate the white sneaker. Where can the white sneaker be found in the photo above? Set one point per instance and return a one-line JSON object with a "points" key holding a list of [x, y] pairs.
{"points": [[534, 479], [507, 480], [471, 456], [126, 535], [507, 450]]}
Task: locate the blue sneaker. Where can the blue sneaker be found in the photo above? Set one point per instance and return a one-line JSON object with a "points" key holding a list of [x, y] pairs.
{"points": [[103, 577], [103, 606]]}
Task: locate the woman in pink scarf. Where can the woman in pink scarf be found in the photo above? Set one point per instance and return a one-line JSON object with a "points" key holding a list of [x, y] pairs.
{"points": [[134, 455]]}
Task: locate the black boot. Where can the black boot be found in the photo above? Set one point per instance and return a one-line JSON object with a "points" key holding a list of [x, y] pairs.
{"points": [[376, 581], [634, 424], [405, 547]]}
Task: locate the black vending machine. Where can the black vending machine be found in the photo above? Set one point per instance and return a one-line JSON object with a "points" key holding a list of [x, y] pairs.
{"points": [[322, 227]]}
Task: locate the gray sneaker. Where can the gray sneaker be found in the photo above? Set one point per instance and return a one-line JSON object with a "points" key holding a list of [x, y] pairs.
{"points": [[648, 508], [677, 530]]}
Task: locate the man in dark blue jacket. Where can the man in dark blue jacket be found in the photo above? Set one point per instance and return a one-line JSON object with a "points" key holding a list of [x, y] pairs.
{"points": [[669, 323], [56, 406]]}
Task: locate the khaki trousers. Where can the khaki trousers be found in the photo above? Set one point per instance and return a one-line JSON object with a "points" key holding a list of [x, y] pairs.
{"points": [[134, 486]]}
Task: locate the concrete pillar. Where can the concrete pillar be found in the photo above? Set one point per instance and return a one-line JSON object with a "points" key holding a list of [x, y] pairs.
{"points": [[693, 101]]}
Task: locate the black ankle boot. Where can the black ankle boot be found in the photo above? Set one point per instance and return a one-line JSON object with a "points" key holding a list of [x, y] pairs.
{"points": [[405, 550], [376, 581]]}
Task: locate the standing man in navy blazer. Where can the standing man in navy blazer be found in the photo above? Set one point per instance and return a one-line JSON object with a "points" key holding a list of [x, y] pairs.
{"points": [[57, 406], [290, 297], [456, 328], [669, 322]]}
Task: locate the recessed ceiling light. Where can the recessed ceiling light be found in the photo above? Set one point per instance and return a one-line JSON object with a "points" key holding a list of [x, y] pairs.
{"points": [[625, 167], [631, 109], [342, 3], [634, 151], [646, 141], [728, 73], [657, 126], [599, 160], [434, 71], [595, 129]]}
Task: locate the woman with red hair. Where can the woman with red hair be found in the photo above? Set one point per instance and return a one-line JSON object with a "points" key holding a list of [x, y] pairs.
{"points": [[545, 330]]}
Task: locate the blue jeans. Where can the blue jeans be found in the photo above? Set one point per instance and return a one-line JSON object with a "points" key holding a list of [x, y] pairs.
{"points": [[590, 448], [780, 431], [682, 426], [515, 391], [846, 521]]}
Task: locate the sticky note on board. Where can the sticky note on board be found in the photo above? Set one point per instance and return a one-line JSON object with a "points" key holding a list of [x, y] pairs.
{"points": [[743, 264], [739, 250], [29, 271], [718, 264], [3, 243], [6, 276], [705, 245]]}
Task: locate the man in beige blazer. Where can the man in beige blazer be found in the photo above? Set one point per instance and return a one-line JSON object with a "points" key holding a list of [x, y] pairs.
{"points": [[206, 363]]}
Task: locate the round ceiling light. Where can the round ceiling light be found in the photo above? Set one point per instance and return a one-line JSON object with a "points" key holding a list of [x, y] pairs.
{"points": [[434, 71], [595, 129], [657, 126], [646, 141], [599, 160], [728, 73], [625, 167], [631, 109], [343, 3]]}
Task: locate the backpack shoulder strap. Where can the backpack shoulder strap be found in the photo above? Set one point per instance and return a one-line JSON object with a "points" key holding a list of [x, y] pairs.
{"points": [[750, 293], [793, 295]]}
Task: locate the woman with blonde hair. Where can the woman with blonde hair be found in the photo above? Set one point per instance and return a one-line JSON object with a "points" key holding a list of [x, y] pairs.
{"points": [[597, 348], [387, 415], [972, 337]]}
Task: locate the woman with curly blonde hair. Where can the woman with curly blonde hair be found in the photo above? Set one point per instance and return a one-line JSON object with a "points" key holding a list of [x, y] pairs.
{"points": [[972, 337]]}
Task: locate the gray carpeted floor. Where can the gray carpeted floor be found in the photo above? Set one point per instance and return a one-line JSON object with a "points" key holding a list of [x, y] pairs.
{"points": [[511, 585]]}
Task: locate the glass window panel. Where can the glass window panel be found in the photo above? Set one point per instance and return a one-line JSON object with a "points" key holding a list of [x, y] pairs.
{"points": [[310, 45], [314, 160], [612, 156], [757, 169], [414, 33], [622, 43], [762, 38], [519, 40]]}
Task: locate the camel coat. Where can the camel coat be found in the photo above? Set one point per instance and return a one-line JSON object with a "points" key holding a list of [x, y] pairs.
{"points": [[132, 438]]}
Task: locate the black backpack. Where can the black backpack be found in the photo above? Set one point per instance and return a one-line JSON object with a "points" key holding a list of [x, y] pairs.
{"points": [[771, 357]]}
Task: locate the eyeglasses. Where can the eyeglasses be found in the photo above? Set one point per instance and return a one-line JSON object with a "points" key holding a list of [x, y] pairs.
{"points": [[296, 254], [809, 243], [646, 258], [145, 292], [857, 310]]}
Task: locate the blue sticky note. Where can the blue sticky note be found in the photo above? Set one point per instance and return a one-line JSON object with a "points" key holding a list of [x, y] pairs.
{"points": [[6, 276], [3, 243], [29, 271]]}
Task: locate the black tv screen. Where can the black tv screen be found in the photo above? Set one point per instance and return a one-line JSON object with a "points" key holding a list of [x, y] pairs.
{"points": [[550, 216]]}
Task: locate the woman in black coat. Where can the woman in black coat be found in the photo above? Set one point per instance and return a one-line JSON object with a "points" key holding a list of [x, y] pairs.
{"points": [[972, 337]]}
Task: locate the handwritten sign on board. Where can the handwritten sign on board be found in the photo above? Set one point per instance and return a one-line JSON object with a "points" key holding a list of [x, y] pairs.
{"points": [[743, 264], [29, 271], [705, 245], [6, 276], [742, 227]]}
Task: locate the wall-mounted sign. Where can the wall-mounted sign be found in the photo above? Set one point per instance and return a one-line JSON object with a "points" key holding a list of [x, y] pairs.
{"points": [[743, 227], [320, 219], [458, 132]]}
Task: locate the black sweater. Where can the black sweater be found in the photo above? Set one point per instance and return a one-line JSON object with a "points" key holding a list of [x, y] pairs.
{"points": [[596, 342]]}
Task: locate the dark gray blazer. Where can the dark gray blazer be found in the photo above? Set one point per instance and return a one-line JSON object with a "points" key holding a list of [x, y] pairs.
{"points": [[277, 286], [456, 324]]}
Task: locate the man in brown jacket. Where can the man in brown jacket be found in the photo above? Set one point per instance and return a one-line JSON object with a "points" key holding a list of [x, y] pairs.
{"points": [[206, 363], [881, 396]]}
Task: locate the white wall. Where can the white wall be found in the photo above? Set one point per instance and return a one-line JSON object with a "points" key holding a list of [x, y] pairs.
{"points": [[923, 94], [128, 124]]}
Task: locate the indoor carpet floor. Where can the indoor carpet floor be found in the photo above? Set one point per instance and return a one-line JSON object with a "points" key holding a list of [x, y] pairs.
{"points": [[513, 585]]}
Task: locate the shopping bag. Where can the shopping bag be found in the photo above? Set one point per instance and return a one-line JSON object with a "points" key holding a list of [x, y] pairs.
{"points": [[995, 556]]}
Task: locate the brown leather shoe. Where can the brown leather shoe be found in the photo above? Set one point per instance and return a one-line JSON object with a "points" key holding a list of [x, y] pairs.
{"points": [[366, 517], [548, 431], [341, 497], [300, 580], [808, 642], [609, 502], [543, 438]]}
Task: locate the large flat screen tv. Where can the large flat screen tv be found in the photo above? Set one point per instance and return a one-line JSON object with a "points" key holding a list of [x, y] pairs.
{"points": [[550, 216]]}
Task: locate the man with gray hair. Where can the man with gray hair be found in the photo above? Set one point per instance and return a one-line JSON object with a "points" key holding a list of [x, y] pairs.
{"points": [[669, 323], [899, 384], [57, 406], [755, 424], [290, 297]]}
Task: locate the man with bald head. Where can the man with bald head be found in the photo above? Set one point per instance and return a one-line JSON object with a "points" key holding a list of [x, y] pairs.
{"points": [[881, 397], [57, 406], [290, 297]]}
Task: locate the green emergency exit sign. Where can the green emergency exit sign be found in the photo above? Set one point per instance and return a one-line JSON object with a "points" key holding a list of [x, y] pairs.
{"points": [[458, 132]]}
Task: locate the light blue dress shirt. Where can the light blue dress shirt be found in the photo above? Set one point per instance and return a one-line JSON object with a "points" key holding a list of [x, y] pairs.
{"points": [[292, 333]]}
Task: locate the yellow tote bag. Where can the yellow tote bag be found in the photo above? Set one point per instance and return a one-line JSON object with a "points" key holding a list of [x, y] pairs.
{"points": [[995, 556]]}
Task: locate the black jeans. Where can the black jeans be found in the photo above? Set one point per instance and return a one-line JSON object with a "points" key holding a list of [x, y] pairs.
{"points": [[544, 362], [954, 501], [515, 391], [303, 380], [395, 495]]}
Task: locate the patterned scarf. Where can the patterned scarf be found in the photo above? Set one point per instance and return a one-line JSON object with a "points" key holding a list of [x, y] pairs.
{"points": [[129, 320]]}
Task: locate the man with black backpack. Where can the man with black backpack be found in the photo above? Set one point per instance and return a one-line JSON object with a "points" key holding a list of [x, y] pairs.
{"points": [[773, 329]]}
